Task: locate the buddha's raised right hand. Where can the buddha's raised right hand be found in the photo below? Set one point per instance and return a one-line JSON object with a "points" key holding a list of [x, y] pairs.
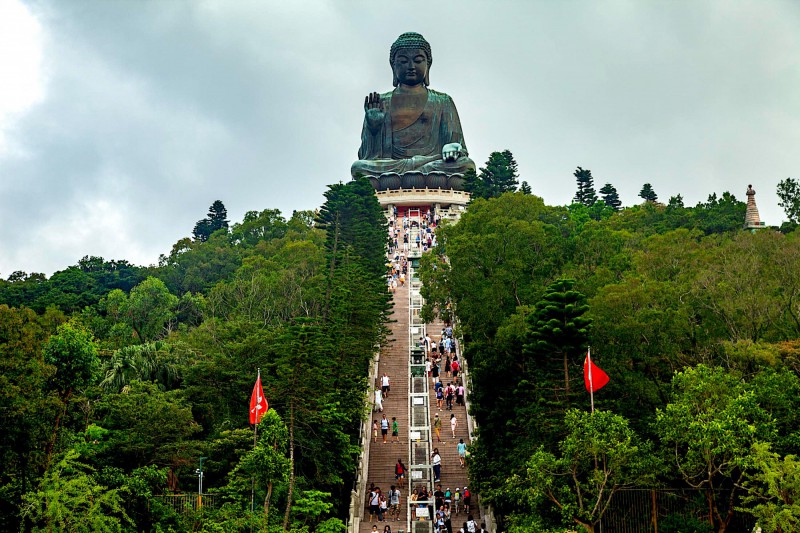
{"points": [[373, 107]]}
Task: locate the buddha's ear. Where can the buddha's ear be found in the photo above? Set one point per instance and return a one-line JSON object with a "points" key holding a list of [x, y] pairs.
{"points": [[395, 81], [427, 77]]}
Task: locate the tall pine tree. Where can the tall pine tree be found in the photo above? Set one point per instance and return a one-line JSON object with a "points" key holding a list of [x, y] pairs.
{"points": [[611, 197], [217, 219], [217, 216], [586, 194], [559, 333], [648, 193], [497, 177]]}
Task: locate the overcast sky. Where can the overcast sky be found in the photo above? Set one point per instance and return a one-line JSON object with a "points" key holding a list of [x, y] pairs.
{"points": [[122, 121]]}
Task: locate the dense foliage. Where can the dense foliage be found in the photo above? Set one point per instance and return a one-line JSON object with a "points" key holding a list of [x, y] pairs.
{"points": [[116, 380], [695, 320]]}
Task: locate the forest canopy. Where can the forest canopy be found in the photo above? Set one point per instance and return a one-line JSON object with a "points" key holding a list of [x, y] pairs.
{"points": [[118, 379]]}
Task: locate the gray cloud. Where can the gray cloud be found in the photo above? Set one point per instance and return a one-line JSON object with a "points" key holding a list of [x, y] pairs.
{"points": [[153, 110]]}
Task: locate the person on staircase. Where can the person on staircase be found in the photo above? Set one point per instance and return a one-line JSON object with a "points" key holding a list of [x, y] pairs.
{"points": [[462, 456], [436, 462], [385, 385], [384, 428], [437, 427], [394, 503], [400, 473]]}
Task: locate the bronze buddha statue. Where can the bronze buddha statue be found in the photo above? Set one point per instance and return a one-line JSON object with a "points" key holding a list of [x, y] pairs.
{"points": [[411, 128]]}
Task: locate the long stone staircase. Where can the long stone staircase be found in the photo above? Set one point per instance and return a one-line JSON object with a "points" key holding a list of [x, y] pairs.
{"points": [[412, 402]]}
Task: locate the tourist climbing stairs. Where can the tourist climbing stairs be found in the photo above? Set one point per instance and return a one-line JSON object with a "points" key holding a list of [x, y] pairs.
{"points": [[412, 402]]}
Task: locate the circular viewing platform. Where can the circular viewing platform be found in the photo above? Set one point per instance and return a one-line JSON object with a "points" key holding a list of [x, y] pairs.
{"points": [[427, 196]]}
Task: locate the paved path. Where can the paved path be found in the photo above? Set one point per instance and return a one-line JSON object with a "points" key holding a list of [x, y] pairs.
{"points": [[383, 457], [394, 361], [453, 475]]}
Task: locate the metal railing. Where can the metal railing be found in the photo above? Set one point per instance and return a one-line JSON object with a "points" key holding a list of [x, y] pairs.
{"points": [[193, 501], [419, 430], [362, 467], [651, 510]]}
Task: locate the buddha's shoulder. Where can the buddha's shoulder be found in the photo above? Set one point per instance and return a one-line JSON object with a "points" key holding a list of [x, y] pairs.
{"points": [[438, 95]]}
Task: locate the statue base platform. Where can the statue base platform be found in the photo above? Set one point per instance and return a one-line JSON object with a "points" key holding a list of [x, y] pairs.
{"points": [[448, 203], [417, 180], [436, 190]]}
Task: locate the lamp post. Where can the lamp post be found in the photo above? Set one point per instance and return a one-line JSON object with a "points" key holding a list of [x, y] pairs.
{"points": [[199, 472]]}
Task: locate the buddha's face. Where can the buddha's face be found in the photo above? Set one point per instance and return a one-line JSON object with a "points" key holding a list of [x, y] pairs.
{"points": [[410, 66]]}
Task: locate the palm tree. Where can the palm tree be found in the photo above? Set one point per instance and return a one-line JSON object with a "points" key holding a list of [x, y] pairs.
{"points": [[153, 361]]}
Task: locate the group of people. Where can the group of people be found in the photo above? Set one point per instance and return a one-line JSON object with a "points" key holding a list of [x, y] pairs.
{"points": [[446, 396], [396, 275], [442, 361], [382, 506], [384, 425], [417, 234], [446, 504]]}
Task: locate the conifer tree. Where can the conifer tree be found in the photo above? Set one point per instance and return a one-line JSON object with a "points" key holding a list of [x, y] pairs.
{"points": [[501, 172], [648, 194], [217, 219], [676, 202], [497, 177], [586, 194], [217, 216], [611, 197], [558, 327], [525, 188], [202, 230], [474, 185]]}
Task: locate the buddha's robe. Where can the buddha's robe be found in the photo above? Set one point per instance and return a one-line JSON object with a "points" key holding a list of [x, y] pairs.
{"points": [[416, 147]]}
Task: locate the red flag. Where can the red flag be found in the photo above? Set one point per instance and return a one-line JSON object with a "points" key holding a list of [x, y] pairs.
{"points": [[593, 376], [258, 404]]}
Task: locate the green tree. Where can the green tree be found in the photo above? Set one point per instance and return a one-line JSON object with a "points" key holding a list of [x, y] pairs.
{"points": [[156, 362], [708, 429], [648, 194], [257, 227], [719, 215], [611, 197], [27, 407], [74, 355], [70, 499], [676, 202], [524, 188], [600, 456], [559, 332], [202, 230], [149, 309], [773, 490], [497, 177], [147, 426], [789, 193], [217, 216], [266, 463], [586, 194], [354, 226], [216, 220]]}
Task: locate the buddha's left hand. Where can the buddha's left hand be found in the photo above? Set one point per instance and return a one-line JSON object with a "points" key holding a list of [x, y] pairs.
{"points": [[452, 151]]}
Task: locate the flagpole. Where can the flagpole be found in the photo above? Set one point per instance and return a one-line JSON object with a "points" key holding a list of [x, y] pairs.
{"points": [[255, 436], [591, 384], [258, 405]]}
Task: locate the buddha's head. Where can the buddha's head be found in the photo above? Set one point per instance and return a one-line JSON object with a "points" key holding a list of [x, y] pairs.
{"points": [[411, 59]]}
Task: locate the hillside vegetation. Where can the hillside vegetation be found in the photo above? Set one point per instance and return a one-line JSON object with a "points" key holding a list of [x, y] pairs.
{"points": [[116, 380], [696, 322]]}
